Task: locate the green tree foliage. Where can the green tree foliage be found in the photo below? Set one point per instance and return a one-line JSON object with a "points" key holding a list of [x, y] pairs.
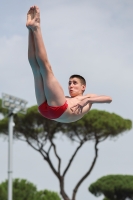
{"points": [[113, 187], [46, 195], [100, 124], [24, 190], [38, 131]]}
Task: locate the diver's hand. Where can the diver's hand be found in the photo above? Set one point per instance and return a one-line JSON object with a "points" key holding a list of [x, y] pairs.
{"points": [[77, 109]]}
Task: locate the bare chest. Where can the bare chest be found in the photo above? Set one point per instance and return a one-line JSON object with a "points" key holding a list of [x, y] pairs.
{"points": [[72, 101], [68, 115]]}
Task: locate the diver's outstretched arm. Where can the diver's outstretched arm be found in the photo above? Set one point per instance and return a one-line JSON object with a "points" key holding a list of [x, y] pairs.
{"points": [[96, 99], [99, 99]]}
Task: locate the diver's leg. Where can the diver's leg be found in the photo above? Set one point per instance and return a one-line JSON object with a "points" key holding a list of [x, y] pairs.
{"points": [[53, 90], [38, 81]]}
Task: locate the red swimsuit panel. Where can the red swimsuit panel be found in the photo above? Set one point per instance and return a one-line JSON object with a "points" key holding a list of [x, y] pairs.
{"points": [[52, 112]]}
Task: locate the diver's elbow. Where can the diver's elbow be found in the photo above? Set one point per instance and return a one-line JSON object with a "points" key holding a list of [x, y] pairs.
{"points": [[109, 99]]}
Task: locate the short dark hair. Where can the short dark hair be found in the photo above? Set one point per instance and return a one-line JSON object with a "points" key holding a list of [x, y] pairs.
{"points": [[83, 81]]}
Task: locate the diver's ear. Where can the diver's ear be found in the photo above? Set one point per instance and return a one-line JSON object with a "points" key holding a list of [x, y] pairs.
{"points": [[83, 87]]}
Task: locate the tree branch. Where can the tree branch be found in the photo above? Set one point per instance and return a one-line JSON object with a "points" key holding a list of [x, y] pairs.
{"points": [[57, 156], [21, 139], [39, 150], [53, 169], [31, 145], [103, 139], [69, 164], [88, 172], [78, 137], [61, 178], [75, 140], [62, 192], [46, 157], [49, 149]]}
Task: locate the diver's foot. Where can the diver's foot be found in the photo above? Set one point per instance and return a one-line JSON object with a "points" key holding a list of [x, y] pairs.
{"points": [[33, 18]]}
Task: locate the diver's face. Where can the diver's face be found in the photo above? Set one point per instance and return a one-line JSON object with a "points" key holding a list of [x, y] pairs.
{"points": [[75, 87]]}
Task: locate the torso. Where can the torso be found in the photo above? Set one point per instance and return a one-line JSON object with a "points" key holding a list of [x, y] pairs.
{"points": [[68, 116]]}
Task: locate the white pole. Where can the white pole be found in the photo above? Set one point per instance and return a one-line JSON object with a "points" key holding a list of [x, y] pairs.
{"points": [[10, 169], [11, 103]]}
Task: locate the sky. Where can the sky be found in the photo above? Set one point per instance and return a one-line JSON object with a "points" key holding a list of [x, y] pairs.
{"points": [[91, 38]]}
